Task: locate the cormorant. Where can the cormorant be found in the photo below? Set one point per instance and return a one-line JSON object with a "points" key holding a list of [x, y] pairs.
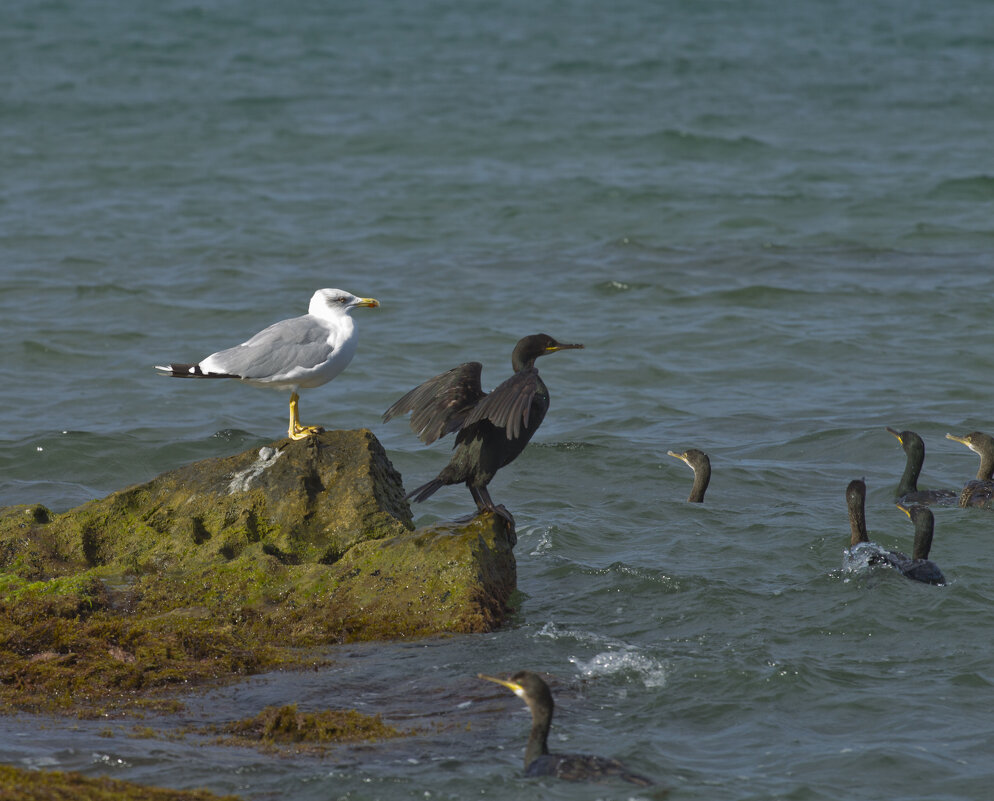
{"points": [[298, 353], [856, 503], [493, 428], [535, 693], [980, 491], [698, 462], [918, 567], [907, 490]]}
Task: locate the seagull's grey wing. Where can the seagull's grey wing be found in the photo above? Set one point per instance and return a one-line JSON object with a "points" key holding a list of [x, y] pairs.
{"points": [[508, 406], [295, 343], [440, 405]]}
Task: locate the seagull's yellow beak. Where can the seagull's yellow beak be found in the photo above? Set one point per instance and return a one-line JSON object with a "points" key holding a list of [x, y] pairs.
{"points": [[372, 303]]}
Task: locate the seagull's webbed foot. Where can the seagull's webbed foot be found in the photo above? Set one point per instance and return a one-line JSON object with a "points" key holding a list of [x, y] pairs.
{"points": [[296, 430], [303, 432]]}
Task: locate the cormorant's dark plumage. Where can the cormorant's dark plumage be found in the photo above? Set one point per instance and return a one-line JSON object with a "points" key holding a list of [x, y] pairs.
{"points": [[980, 491], [918, 567], [699, 462], [531, 688], [907, 490], [856, 503], [493, 428]]}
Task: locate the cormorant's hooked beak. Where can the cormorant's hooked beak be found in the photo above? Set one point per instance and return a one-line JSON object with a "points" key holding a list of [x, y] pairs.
{"points": [[905, 509], [895, 433], [371, 303], [681, 456], [960, 440], [517, 689], [561, 346]]}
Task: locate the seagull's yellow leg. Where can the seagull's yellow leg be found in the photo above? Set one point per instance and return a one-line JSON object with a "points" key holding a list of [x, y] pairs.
{"points": [[298, 431]]}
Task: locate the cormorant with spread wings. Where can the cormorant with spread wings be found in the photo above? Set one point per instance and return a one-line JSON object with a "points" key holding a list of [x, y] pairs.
{"points": [[492, 428]]}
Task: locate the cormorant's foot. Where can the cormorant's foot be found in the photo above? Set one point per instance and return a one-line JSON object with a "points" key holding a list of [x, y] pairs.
{"points": [[501, 511], [303, 432]]}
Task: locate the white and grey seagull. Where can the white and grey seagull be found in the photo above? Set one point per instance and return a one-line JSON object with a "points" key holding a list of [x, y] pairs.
{"points": [[298, 353]]}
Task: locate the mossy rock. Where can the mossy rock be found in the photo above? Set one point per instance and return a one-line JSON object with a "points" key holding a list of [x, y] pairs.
{"points": [[285, 727], [34, 785], [216, 569], [306, 501]]}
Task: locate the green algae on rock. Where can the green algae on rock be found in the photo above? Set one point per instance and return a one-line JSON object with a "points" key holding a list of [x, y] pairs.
{"points": [[214, 570], [284, 726], [307, 501], [33, 785]]}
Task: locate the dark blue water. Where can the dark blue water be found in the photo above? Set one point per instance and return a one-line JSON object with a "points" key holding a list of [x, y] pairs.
{"points": [[770, 225]]}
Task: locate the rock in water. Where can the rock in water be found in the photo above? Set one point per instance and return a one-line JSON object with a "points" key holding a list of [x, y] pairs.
{"points": [[293, 544]]}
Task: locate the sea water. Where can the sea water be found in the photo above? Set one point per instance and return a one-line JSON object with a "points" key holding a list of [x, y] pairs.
{"points": [[771, 226]]}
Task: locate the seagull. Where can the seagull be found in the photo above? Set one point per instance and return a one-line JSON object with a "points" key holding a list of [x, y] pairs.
{"points": [[298, 353]]}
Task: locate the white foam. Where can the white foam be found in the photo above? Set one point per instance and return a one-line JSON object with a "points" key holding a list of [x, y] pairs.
{"points": [[613, 656], [544, 543], [652, 672]]}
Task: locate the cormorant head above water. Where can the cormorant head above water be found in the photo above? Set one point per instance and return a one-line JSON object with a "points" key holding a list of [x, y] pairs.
{"points": [[983, 445], [699, 462], [920, 567], [532, 689], [980, 491], [491, 428], [907, 491]]}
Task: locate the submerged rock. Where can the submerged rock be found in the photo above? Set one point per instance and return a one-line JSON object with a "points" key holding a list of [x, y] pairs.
{"points": [[209, 570]]}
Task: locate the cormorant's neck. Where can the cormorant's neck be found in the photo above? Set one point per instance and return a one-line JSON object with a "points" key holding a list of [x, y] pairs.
{"points": [[518, 364], [857, 522], [702, 477], [924, 526], [538, 739], [986, 470], [912, 469]]}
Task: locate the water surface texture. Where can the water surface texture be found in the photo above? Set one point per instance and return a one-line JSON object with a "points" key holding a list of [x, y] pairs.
{"points": [[771, 226]]}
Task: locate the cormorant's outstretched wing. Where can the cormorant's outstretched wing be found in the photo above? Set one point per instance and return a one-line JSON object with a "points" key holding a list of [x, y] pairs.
{"points": [[509, 404], [440, 405]]}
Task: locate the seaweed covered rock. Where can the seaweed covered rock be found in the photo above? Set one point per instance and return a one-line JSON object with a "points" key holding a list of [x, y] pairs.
{"points": [[307, 501], [209, 570], [33, 785]]}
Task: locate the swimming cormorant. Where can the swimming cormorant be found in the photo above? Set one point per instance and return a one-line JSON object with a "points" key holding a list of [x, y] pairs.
{"points": [[698, 462], [297, 353], [918, 567], [980, 491], [535, 693], [856, 503], [907, 490], [493, 428]]}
